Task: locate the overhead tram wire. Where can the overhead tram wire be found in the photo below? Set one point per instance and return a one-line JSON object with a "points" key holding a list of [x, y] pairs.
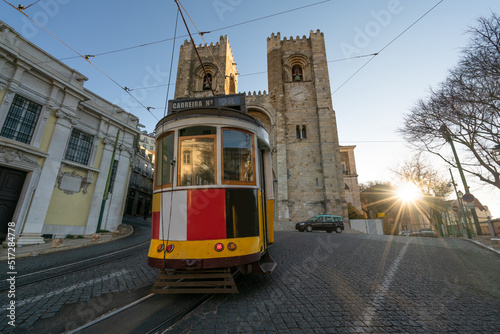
{"points": [[22, 7], [194, 46], [387, 45], [201, 34], [171, 65], [214, 30], [85, 57], [256, 73]]}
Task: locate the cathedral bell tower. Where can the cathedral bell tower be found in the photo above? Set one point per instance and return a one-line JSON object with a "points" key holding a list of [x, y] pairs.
{"points": [[220, 70], [308, 165]]}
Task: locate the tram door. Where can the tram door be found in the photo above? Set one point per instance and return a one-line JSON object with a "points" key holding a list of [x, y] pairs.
{"points": [[263, 203]]}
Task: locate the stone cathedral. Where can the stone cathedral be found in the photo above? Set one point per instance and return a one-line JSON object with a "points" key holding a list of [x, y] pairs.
{"points": [[297, 112]]}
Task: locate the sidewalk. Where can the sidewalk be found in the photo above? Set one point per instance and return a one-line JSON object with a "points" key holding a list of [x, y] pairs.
{"points": [[55, 245], [487, 242]]}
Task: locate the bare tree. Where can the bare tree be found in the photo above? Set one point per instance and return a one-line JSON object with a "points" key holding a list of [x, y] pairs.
{"points": [[432, 185], [467, 105], [420, 173]]}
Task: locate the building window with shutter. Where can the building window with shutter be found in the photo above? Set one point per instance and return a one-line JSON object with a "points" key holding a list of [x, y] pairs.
{"points": [[21, 120], [79, 147]]}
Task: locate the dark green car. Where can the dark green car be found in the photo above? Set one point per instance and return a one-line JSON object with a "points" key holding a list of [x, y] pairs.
{"points": [[328, 223]]}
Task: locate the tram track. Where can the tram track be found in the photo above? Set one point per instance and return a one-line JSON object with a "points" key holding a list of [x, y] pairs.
{"points": [[71, 268], [151, 314]]}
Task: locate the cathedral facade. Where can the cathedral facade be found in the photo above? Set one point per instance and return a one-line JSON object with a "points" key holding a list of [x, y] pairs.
{"points": [[297, 112]]}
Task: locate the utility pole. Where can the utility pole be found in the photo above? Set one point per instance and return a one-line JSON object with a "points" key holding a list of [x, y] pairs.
{"points": [[106, 188], [460, 205], [447, 136]]}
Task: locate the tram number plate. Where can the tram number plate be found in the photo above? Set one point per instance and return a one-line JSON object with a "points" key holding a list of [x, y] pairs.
{"points": [[228, 101]]}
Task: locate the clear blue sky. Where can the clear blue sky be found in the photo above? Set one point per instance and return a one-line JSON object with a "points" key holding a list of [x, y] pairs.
{"points": [[369, 106]]}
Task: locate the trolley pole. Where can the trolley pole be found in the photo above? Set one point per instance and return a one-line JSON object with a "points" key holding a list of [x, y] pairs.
{"points": [[106, 188]]}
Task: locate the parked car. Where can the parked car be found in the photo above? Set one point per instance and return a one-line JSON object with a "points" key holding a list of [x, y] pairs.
{"points": [[415, 233], [405, 233], [328, 223], [427, 232]]}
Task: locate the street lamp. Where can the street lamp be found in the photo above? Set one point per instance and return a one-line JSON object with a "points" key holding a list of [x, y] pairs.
{"points": [[460, 195], [446, 134]]}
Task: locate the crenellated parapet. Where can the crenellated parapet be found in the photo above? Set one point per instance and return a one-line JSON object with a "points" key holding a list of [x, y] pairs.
{"points": [[254, 93], [223, 40], [218, 64], [275, 41]]}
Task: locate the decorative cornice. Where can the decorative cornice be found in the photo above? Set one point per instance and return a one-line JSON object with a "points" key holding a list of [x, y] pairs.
{"points": [[11, 155], [72, 119]]}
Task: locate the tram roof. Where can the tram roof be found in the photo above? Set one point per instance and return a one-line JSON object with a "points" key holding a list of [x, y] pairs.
{"points": [[209, 112]]}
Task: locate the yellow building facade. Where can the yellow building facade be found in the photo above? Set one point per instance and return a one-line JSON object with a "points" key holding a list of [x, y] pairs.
{"points": [[56, 147]]}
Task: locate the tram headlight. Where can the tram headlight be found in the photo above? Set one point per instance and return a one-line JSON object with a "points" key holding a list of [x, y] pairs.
{"points": [[219, 247], [160, 248], [231, 246], [170, 248]]}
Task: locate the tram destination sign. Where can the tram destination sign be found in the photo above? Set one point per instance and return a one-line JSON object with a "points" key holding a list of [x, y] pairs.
{"points": [[233, 101]]}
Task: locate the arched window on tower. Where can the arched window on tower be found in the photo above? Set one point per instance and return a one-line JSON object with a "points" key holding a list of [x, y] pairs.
{"points": [[207, 81], [300, 132], [297, 73]]}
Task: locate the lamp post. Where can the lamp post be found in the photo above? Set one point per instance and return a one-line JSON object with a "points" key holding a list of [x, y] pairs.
{"points": [[447, 137], [461, 208], [467, 222]]}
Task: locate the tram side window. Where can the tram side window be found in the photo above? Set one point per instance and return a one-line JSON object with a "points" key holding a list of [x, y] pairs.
{"points": [[238, 162], [164, 168], [199, 168]]}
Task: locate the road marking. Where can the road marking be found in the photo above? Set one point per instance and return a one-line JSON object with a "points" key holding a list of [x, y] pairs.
{"points": [[382, 289], [68, 289]]}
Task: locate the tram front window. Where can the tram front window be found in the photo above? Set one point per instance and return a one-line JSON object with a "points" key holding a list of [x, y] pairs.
{"points": [[199, 169], [164, 167], [237, 156]]}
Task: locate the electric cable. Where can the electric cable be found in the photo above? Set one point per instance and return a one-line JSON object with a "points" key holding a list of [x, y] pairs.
{"points": [[171, 65], [195, 49], [392, 41], [217, 29], [86, 57], [201, 34], [22, 7]]}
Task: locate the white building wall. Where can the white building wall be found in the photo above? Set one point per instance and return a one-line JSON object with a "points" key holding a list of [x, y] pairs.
{"points": [[32, 73]]}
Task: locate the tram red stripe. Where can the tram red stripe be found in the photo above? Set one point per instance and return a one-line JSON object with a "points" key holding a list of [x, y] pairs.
{"points": [[155, 225], [206, 214]]}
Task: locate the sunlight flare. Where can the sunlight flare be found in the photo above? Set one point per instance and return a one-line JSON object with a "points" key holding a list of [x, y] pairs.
{"points": [[408, 192]]}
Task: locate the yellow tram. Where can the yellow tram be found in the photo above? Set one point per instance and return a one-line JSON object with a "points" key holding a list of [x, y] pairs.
{"points": [[213, 203]]}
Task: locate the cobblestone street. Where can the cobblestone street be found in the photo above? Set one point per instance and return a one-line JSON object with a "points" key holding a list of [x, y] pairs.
{"points": [[98, 285], [324, 283], [351, 283]]}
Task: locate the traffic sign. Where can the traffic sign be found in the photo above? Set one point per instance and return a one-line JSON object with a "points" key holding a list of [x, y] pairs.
{"points": [[469, 198], [455, 208], [390, 220]]}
